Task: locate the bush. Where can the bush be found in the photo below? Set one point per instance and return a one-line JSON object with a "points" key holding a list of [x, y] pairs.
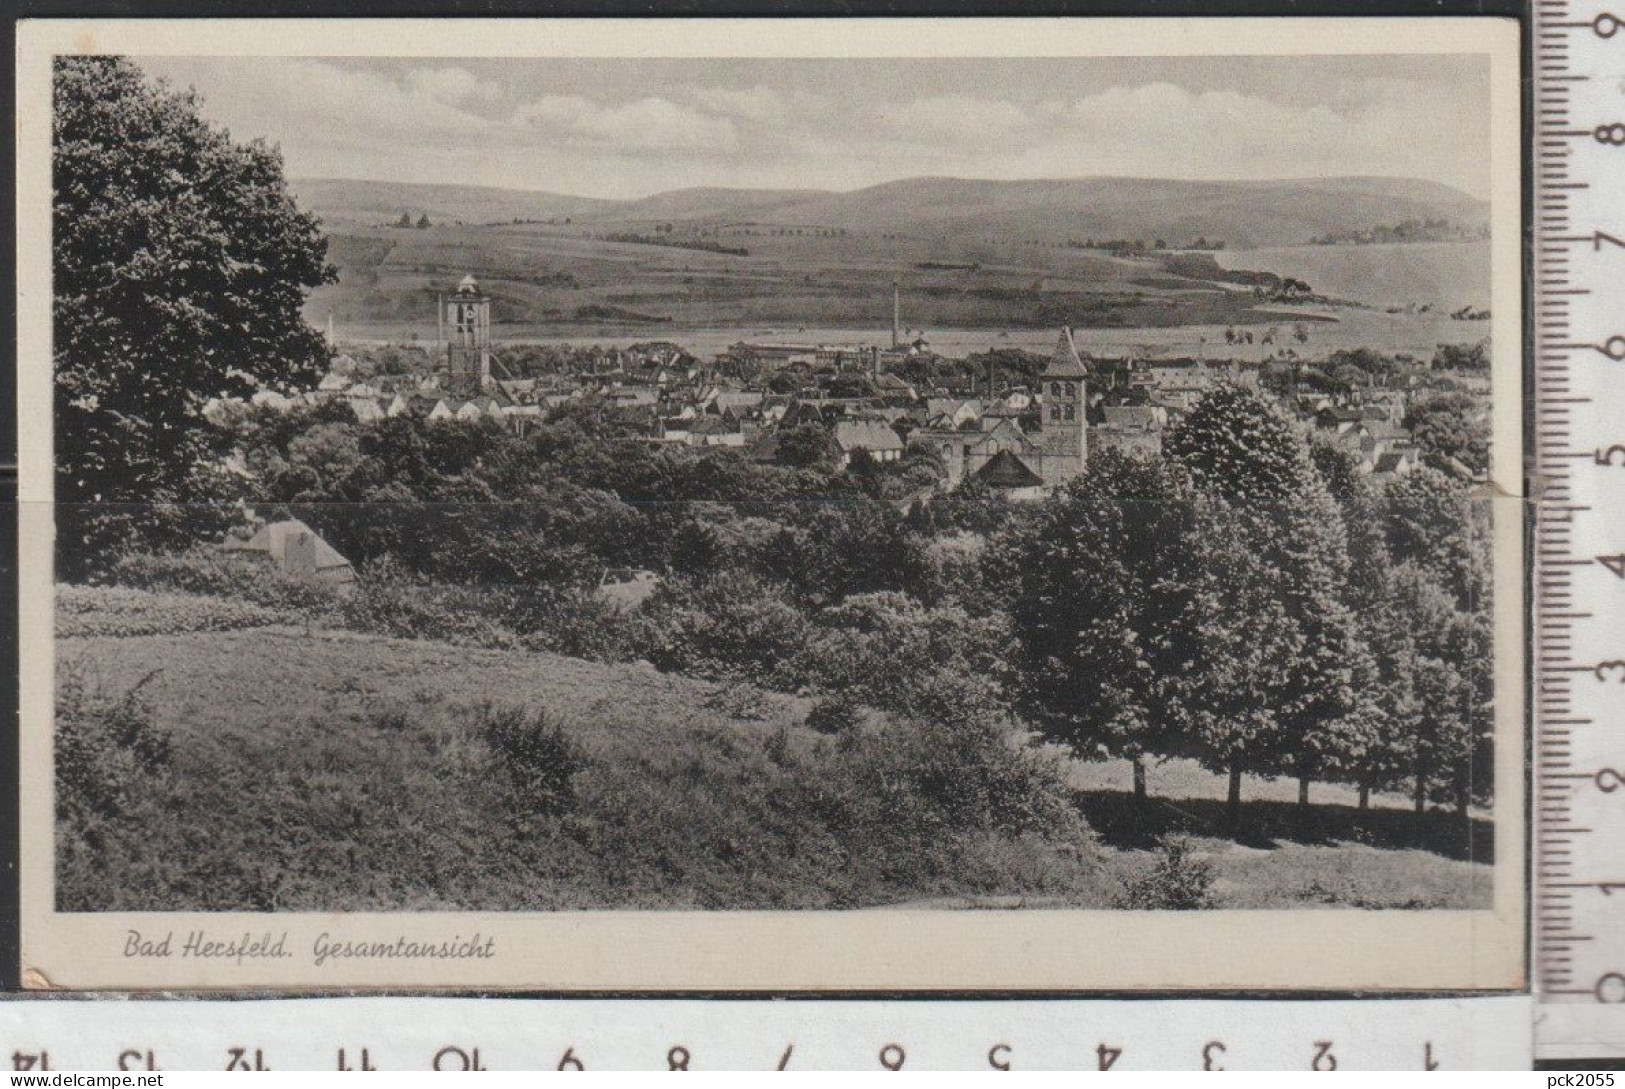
{"points": [[451, 614], [572, 621], [966, 776], [120, 612], [733, 627], [533, 750], [1179, 879], [106, 750], [835, 715], [208, 570], [892, 653], [889, 815]]}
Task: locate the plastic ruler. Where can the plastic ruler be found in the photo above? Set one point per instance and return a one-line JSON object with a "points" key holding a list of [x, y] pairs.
{"points": [[517, 1034], [1578, 69]]}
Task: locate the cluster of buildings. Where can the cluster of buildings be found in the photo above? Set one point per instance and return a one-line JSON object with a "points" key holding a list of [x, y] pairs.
{"points": [[1023, 439]]}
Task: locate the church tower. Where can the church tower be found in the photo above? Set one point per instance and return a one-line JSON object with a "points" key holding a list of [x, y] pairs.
{"points": [[1064, 434], [467, 315]]}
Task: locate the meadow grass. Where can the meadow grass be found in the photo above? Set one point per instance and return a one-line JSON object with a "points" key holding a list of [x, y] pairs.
{"points": [[315, 769]]}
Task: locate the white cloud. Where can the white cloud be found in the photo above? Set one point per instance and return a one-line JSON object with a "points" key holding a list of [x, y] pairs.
{"points": [[618, 132], [454, 86], [654, 124], [958, 118], [294, 101], [757, 104]]}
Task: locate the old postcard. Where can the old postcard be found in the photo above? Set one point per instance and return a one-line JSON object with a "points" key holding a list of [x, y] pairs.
{"points": [[828, 505]]}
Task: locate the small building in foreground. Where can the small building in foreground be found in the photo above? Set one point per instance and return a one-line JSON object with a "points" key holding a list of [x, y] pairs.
{"points": [[294, 548]]}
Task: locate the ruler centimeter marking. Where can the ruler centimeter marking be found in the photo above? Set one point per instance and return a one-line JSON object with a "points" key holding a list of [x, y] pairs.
{"points": [[1579, 542]]}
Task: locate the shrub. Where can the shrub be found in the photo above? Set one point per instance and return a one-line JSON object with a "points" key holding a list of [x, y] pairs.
{"points": [[452, 614], [892, 653], [724, 819], [533, 750], [208, 570], [732, 627], [741, 701], [968, 775], [1179, 879], [106, 750], [573, 621], [836, 715], [120, 612]]}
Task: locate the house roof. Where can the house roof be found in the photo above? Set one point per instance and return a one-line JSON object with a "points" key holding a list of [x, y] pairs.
{"points": [[1006, 470], [1387, 463], [867, 434], [272, 538], [1136, 417]]}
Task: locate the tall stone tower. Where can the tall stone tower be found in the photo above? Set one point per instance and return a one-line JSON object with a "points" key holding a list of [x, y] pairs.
{"points": [[467, 317], [1065, 430]]}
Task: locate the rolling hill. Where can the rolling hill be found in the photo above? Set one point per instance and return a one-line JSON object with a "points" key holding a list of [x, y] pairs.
{"points": [[348, 202], [968, 253], [1242, 213]]}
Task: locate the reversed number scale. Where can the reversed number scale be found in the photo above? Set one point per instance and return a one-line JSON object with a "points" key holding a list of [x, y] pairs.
{"points": [[1578, 483]]}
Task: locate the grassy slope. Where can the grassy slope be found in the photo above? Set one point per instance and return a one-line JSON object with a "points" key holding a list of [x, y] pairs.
{"points": [[1015, 230], [1241, 212], [389, 275], [324, 769], [328, 770]]}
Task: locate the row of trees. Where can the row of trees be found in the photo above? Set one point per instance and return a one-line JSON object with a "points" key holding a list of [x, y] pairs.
{"points": [[1251, 602]]}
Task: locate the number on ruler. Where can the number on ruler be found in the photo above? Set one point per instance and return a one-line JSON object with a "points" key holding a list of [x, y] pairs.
{"points": [[1613, 347], [1612, 134], [1606, 456], [1599, 237], [1602, 669], [1614, 563], [1608, 780], [1606, 25]]}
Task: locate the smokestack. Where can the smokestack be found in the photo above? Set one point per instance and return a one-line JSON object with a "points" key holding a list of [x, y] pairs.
{"points": [[330, 328], [896, 315]]}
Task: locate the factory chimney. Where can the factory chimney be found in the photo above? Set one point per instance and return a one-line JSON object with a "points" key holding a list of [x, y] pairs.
{"points": [[896, 315]]}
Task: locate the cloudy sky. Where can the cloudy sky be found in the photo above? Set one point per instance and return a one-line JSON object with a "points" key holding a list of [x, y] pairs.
{"points": [[627, 128]]}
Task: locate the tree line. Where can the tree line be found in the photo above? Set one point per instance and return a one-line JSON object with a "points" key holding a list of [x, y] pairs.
{"points": [[1251, 601]]}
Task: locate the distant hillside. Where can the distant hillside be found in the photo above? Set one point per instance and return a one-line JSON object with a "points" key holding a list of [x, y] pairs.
{"points": [[348, 202], [1240, 213], [713, 205]]}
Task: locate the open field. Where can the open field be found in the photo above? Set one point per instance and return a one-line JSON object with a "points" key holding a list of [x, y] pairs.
{"points": [[549, 284], [316, 769], [540, 275], [967, 253], [1444, 275]]}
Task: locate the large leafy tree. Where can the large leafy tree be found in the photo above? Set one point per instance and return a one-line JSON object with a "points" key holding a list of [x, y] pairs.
{"points": [[1376, 739], [1451, 427], [1239, 651], [1243, 453], [1093, 608], [180, 263]]}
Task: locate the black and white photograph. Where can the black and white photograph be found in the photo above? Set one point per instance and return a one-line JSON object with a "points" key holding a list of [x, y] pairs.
{"points": [[873, 487]]}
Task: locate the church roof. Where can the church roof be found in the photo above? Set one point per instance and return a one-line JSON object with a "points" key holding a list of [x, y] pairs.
{"points": [[1006, 470], [1065, 362]]}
